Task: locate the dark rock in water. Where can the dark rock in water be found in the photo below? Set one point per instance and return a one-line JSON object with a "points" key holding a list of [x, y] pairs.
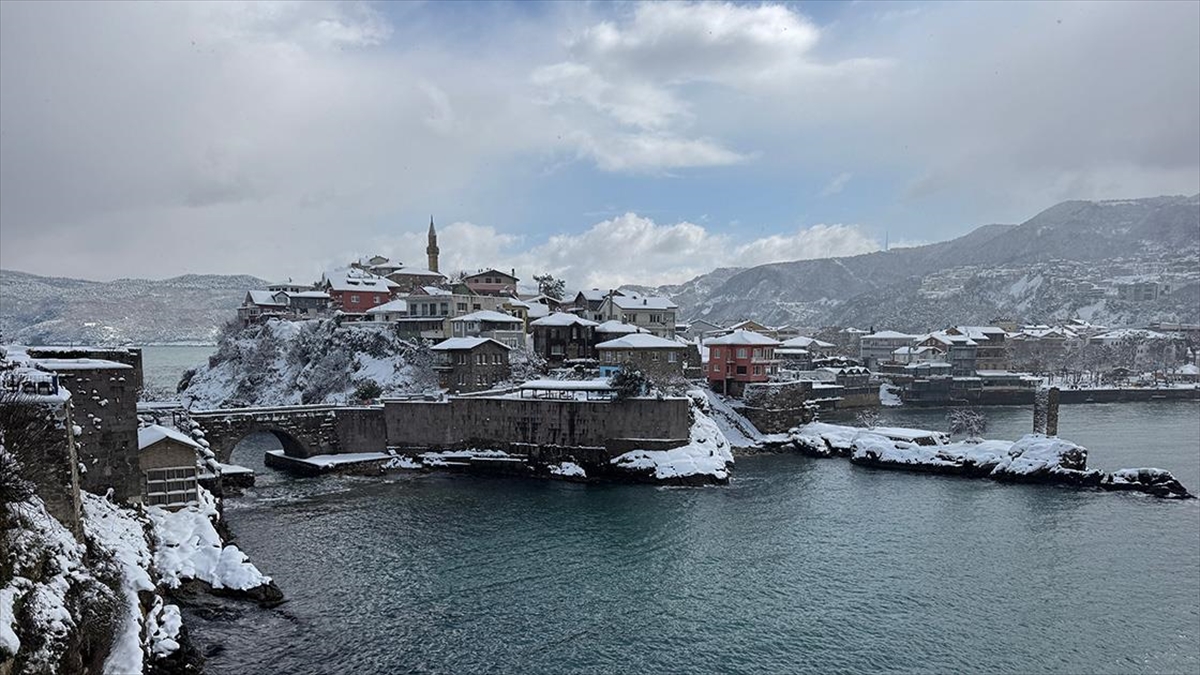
{"points": [[1156, 482], [192, 592]]}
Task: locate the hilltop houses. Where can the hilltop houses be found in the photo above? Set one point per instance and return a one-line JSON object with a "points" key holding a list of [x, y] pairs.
{"points": [[656, 314]]}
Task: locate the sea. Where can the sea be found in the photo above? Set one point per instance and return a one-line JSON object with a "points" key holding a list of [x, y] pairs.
{"points": [[798, 565]]}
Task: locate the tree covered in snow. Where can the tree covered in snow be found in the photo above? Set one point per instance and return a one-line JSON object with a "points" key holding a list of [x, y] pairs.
{"points": [[549, 286], [968, 422], [629, 382]]}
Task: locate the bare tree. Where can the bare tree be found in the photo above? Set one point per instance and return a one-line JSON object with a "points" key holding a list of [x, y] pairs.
{"points": [[868, 417]]}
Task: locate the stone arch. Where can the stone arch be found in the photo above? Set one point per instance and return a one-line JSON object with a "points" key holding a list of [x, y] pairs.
{"points": [[293, 445]]}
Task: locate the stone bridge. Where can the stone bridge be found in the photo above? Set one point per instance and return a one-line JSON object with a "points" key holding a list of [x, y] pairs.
{"points": [[303, 431]]}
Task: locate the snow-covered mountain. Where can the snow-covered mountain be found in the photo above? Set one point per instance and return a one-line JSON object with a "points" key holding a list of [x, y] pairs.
{"points": [[57, 310], [1066, 261]]}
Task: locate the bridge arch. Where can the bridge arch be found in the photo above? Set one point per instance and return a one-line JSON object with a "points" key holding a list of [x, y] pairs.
{"points": [[292, 445]]}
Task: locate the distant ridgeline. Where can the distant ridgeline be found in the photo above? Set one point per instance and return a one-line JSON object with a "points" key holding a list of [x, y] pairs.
{"points": [[1076, 259], [53, 310]]}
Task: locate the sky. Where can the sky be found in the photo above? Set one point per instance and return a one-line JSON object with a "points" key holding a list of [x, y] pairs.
{"points": [[604, 143]]}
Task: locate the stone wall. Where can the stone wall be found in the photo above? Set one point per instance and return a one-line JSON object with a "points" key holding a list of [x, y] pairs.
{"points": [[361, 430], [515, 424], [130, 356], [775, 407], [104, 402], [48, 459]]}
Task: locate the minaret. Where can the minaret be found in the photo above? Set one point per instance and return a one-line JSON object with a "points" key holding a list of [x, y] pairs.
{"points": [[432, 249]]}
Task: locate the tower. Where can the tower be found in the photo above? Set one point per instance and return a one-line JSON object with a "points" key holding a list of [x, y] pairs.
{"points": [[432, 249]]}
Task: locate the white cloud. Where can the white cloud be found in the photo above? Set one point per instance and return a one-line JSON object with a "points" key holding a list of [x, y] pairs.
{"points": [[629, 249], [836, 184]]}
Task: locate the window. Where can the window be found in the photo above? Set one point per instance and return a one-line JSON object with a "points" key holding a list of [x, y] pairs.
{"points": [[375, 299], [556, 350], [476, 306], [354, 299], [479, 379], [462, 306], [445, 309], [741, 370], [716, 352], [671, 357], [716, 368], [758, 370], [653, 356], [741, 353], [479, 359], [462, 359], [174, 486], [656, 318]]}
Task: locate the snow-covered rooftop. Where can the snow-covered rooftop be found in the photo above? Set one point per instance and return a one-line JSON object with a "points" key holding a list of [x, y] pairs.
{"points": [[598, 384], [154, 433], [562, 319], [434, 290], [635, 301], [418, 272], [742, 337], [81, 364], [806, 343], [593, 294], [614, 326], [359, 282], [487, 316], [888, 335], [640, 341], [389, 307], [266, 298], [460, 343]]}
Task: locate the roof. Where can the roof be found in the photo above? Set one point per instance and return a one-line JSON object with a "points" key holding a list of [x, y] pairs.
{"points": [[81, 364], [307, 294], [600, 384], [980, 332], [592, 294], [948, 339], [889, 335], [640, 341], [389, 307], [359, 282], [742, 337], [488, 316], [434, 290], [264, 298], [614, 326], [461, 343], [490, 272], [418, 272], [154, 433], [635, 301], [806, 342], [562, 319], [1122, 333]]}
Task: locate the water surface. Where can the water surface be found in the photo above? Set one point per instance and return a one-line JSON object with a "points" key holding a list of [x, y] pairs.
{"points": [[799, 565]]}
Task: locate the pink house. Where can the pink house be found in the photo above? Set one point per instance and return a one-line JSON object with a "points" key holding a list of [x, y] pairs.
{"points": [[739, 358]]}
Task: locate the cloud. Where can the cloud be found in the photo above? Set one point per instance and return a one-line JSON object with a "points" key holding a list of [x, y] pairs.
{"points": [[629, 249], [836, 184]]}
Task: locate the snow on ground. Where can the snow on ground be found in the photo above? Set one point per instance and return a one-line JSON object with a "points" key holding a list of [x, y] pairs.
{"points": [[738, 431], [707, 453], [188, 547], [402, 463], [568, 469], [328, 461], [51, 555], [887, 397], [121, 534], [1038, 453]]}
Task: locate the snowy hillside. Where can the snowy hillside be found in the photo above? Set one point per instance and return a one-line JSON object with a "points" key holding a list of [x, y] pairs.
{"points": [[1064, 262], [295, 362], [54, 310]]}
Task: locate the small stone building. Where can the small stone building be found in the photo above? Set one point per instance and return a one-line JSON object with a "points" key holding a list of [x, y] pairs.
{"points": [[466, 364], [167, 458], [658, 357]]}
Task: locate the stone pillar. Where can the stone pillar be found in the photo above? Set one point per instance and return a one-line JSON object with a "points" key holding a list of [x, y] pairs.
{"points": [[1052, 412], [1040, 398]]}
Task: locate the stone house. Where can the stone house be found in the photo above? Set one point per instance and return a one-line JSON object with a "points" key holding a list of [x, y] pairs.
{"points": [[167, 459], [991, 351], [659, 358], [588, 302], [466, 364], [878, 347], [654, 313], [560, 337]]}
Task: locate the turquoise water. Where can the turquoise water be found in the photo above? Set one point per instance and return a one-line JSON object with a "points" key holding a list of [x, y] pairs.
{"points": [[162, 366], [799, 565]]}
